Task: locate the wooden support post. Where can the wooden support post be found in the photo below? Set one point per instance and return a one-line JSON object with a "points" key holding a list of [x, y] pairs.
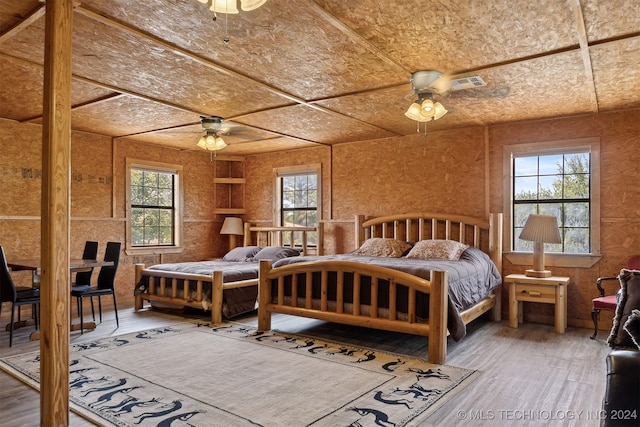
{"points": [[56, 159]]}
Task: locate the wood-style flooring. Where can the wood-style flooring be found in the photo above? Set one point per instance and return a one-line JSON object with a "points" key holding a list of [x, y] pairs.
{"points": [[530, 376]]}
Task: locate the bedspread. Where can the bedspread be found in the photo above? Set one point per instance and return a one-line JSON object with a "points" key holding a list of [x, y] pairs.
{"points": [[471, 279]]}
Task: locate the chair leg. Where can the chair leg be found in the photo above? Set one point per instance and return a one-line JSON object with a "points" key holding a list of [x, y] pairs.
{"points": [[100, 307], [93, 312], [594, 316], [13, 309], [115, 308], [81, 316]]}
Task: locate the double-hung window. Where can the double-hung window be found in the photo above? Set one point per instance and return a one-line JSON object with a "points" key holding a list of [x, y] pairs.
{"points": [[559, 178], [154, 195], [298, 199]]}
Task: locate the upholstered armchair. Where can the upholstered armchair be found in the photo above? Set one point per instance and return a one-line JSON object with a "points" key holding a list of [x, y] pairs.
{"points": [[621, 403]]}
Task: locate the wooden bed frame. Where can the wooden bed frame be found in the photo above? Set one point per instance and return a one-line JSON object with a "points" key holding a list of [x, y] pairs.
{"points": [[485, 234], [160, 281]]}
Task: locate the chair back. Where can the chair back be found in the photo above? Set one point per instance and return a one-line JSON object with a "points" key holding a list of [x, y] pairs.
{"points": [[7, 287], [633, 263], [107, 275], [90, 252]]}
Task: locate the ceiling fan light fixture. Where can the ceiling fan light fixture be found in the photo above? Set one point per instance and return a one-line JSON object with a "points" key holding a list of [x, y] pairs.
{"points": [[415, 113], [439, 111], [427, 107]]}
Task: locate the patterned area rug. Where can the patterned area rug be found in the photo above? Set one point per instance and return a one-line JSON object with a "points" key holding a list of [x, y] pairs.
{"points": [[230, 375]]}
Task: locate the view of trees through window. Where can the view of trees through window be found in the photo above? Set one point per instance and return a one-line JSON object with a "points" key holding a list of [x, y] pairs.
{"points": [[557, 185], [299, 203], [152, 208]]}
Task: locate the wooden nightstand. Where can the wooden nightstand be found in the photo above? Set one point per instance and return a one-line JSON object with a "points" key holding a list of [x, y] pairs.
{"points": [[549, 290]]}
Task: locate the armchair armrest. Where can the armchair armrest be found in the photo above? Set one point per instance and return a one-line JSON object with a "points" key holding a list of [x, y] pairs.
{"points": [[621, 403], [599, 283]]}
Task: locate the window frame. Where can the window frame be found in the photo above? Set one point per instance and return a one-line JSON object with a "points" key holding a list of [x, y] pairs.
{"points": [[553, 259], [177, 171], [292, 171]]}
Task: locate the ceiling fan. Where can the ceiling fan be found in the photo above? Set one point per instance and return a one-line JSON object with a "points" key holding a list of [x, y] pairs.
{"points": [[212, 127], [427, 83]]}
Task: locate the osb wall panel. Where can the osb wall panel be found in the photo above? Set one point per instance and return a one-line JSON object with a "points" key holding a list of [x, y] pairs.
{"points": [[444, 172], [91, 175], [619, 134], [20, 169], [441, 173]]}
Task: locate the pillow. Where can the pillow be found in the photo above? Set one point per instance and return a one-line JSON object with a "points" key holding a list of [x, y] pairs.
{"points": [[275, 253], [437, 249], [383, 247], [629, 300], [632, 326], [242, 253]]}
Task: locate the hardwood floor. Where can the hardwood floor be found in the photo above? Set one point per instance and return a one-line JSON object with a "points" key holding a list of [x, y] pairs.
{"points": [[530, 376]]}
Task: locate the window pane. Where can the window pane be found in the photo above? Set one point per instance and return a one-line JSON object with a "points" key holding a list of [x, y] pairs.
{"points": [[550, 164], [526, 188], [576, 240]]}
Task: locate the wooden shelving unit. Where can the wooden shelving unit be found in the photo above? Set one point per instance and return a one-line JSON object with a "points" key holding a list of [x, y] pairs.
{"points": [[229, 186]]}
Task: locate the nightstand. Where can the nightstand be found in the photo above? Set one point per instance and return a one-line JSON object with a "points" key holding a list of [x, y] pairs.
{"points": [[548, 290]]}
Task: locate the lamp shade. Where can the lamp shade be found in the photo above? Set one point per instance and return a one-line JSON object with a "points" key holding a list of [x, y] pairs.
{"points": [[232, 225], [541, 228]]}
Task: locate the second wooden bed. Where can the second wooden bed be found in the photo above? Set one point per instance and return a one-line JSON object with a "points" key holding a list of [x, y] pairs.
{"points": [[178, 286], [334, 289]]}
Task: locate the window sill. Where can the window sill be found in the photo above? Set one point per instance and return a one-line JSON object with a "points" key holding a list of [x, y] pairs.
{"points": [[154, 250], [554, 259]]}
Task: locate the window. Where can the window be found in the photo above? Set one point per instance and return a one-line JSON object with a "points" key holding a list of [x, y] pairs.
{"points": [[153, 215], [559, 178], [298, 193], [558, 185]]}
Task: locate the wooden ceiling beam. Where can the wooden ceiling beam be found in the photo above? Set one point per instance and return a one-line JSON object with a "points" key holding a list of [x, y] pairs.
{"points": [[35, 14], [349, 32], [211, 64], [584, 53]]}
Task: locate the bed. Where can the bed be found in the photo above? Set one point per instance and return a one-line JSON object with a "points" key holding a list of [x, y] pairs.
{"points": [[390, 288], [228, 286]]}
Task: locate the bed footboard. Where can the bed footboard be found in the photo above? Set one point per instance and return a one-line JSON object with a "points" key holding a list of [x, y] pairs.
{"points": [[177, 288], [289, 290]]}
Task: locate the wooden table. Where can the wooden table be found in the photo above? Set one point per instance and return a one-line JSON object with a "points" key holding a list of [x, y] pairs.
{"points": [[549, 290], [33, 265]]}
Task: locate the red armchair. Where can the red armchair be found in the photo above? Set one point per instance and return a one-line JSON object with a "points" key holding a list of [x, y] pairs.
{"points": [[608, 302]]}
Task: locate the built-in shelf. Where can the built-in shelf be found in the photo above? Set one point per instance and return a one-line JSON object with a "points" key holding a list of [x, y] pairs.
{"points": [[229, 186]]}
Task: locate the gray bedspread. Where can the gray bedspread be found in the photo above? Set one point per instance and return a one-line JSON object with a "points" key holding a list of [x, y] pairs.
{"points": [[231, 271], [471, 279]]}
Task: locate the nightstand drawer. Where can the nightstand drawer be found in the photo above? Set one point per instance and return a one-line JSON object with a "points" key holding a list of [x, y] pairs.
{"points": [[535, 293]]}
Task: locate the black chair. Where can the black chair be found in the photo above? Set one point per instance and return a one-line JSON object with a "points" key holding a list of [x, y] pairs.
{"points": [[105, 286], [9, 293], [90, 252]]}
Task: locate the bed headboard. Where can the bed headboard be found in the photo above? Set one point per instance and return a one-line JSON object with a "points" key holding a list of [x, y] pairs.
{"points": [[482, 233], [283, 236]]}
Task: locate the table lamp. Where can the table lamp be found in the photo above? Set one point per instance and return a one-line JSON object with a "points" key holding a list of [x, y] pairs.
{"points": [[233, 227], [540, 229]]}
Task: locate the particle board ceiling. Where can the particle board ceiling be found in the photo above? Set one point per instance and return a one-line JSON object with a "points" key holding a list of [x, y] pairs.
{"points": [[304, 73]]}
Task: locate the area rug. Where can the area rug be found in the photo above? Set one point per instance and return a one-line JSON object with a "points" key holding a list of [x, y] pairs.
{"points": [[231, 375]]}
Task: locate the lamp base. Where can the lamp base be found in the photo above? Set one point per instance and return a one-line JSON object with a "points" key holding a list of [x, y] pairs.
{"points": [[537, 273]]}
